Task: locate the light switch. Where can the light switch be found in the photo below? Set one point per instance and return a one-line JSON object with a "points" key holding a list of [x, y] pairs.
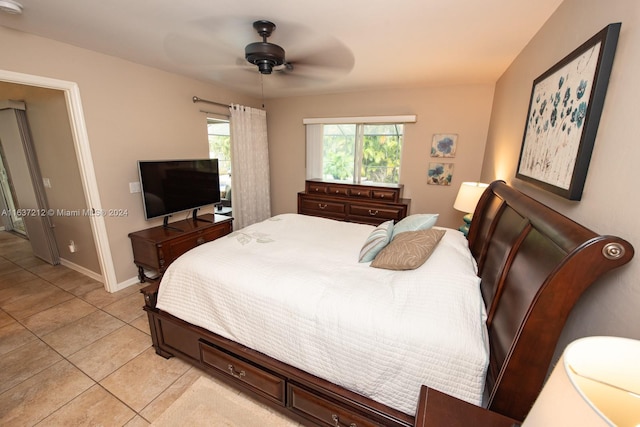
{"points": [[134, 187]]}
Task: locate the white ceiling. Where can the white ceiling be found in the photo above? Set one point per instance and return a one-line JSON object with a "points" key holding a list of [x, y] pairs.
{"points": [[353, 44]]}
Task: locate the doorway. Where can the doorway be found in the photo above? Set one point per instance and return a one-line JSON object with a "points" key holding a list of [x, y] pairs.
{"points": [[75, 112]]}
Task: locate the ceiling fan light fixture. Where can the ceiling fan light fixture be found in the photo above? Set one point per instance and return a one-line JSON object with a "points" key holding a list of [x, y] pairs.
{"points": [[10, 6], [264, 54]]}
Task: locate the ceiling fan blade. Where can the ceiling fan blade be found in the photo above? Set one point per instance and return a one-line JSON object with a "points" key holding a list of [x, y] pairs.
{"points": [[209, 41], [216, 46]]}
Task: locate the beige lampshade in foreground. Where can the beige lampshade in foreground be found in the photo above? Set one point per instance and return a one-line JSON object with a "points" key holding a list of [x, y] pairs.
{"points": [[468, 196], [595, 383]]}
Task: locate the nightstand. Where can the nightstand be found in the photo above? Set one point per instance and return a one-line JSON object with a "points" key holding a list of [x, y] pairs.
{"points": [[437, 409]]}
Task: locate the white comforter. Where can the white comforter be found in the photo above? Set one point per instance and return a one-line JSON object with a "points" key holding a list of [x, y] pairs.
{"points": [[291, 287]]}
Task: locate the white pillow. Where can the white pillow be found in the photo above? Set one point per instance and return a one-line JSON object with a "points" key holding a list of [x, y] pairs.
{"points": [[377, 240], [415, 222]]}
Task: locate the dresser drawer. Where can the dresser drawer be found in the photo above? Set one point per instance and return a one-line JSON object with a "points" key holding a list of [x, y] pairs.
{"points": [[216, 232], [338, 190], [384, 212], [259, 380], [324, 411], [176, 247], [387, 195], [360, 193], [316, 188], [323, 207]]}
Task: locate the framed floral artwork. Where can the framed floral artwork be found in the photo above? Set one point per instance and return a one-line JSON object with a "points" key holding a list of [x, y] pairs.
{"points": [[564, 112], [440, 173], [444, 145]]}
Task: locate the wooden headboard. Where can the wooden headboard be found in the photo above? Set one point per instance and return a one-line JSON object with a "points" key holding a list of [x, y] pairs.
{"points": [[534, 264]]}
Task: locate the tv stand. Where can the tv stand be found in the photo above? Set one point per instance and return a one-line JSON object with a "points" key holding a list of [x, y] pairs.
{"points": [[194, 215], [165, 224], [156, 247]]}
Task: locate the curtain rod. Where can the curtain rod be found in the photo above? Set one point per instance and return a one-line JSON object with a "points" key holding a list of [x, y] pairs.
{"points": [[196, 99]]}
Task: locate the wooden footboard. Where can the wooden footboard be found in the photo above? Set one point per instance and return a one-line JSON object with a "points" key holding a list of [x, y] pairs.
{"points": [[303, 397]]}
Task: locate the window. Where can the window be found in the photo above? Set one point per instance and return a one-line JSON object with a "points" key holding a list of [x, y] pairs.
{"points": [[220, 148], [354, 152]]}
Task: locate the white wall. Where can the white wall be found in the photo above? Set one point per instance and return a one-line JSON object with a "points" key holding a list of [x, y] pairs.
{"points": [[609, 204]]}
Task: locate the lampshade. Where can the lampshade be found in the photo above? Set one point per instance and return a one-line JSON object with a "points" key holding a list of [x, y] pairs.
{"points": [[10, 6], [468, 196], [595, 383]]}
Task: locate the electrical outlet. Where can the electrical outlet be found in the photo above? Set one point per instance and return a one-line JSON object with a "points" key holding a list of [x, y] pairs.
{"points": [[46, 182], [134, 187]]}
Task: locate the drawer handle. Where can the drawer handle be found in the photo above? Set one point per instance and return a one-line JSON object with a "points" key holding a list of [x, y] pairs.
{"points": [[235, 373], [336, 420], [322, 206], [373, 213]]}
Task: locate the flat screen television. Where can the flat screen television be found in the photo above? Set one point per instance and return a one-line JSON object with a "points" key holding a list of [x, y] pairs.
{"points": [[172, 186]]}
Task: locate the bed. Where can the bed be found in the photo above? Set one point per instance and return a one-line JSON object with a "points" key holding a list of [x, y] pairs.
{"points": [[342, 343]]}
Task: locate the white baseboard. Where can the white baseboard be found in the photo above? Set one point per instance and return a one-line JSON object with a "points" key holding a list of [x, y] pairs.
{"points": [[81, 269], [119, 286], [130, 282]]}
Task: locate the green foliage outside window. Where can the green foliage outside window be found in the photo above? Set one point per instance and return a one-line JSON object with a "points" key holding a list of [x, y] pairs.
{"points": [[378, 160]]}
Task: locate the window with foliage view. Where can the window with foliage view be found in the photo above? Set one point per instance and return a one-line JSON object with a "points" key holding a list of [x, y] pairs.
{"points": [[220, 148], [356, 152]]}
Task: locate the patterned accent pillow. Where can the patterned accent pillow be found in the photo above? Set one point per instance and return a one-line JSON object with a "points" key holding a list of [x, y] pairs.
{"points": [[376, 241], [408, 250], [414, 222]]}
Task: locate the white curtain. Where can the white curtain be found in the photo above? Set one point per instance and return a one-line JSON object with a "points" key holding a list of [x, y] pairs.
{"points": [[251, 199], [314, 150]]}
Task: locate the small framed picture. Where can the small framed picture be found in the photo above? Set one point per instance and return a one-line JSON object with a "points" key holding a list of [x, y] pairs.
{"points": [[440, 173], [444, 145]]}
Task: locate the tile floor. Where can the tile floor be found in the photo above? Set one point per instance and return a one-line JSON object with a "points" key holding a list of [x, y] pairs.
{"points": [[73, 354]]}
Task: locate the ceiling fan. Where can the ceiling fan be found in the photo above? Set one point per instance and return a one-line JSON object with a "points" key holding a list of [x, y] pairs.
{"points": [[215, 45], [264, 54]]}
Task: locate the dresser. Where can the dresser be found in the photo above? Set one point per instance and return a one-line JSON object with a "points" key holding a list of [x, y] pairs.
{"points": [[156, 248], [363, 203]]}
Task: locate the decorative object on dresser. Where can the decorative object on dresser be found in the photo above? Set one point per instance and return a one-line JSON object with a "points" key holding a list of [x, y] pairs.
{"points": [[564, 113], [362, 203], [530, 273], [466, 201], [157, 247]]}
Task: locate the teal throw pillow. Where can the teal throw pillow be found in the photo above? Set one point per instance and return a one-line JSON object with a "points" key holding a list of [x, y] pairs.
{"points": [[415, 222], [377, 240]]}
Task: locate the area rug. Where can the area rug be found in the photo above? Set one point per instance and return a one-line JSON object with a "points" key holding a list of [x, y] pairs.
{"points": [[207, 403]]}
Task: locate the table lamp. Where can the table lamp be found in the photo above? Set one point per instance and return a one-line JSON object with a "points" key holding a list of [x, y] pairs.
{"points": [[595, 383], [466, 201]]}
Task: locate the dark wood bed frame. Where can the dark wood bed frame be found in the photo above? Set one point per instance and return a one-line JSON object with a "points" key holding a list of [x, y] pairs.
{"points": [[534, 264]]}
